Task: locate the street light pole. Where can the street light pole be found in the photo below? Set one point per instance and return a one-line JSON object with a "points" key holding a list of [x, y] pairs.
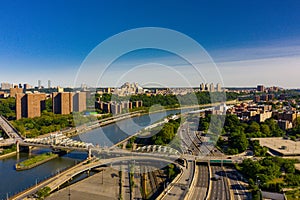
{"points": [[69, 192]]}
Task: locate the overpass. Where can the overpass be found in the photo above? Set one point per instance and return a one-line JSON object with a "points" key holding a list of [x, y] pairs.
{"points": [[10, 131], [58, 180]]}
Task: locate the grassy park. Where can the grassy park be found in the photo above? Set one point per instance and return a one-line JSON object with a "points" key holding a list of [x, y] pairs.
{"points": [[35, 161]]}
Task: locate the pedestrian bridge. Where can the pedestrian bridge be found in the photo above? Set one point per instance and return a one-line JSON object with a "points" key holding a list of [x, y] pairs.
{"points": [[58, 140], [158, 149]]}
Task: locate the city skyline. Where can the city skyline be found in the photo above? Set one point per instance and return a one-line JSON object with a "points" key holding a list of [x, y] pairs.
{"points": [[250, 43]]}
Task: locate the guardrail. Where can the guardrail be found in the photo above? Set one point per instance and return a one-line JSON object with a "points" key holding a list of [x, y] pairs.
{"points": [[193, 182], [170, 186], [209, 183]]}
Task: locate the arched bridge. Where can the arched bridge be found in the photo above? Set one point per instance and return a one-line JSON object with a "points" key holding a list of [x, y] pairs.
{"points": [[158, 149]]}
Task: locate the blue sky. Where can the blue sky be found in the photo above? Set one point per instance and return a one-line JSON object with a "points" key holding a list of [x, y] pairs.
{"points": [[252, 42]]}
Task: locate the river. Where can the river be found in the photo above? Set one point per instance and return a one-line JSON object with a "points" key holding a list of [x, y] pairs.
{"points": [[12, 181]]}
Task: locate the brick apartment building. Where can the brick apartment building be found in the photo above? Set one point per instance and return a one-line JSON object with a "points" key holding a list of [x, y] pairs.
{"points": [[29, 105], [68, 102]]}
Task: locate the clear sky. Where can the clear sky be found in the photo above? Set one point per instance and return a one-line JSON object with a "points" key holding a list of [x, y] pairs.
{"points": [[252, 42]]}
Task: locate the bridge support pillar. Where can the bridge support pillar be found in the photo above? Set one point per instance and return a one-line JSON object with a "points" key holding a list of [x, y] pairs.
{"points": [[90, 154], [18, 147], [29, 150]]}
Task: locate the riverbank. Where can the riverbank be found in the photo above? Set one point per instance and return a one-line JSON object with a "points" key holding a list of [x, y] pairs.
{"points": [[35, 161], [8, 155], [70, 132], [11, 151]]}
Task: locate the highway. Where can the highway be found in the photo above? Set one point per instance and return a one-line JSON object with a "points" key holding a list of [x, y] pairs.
{"points": [[179, 189], [238, 187], [219, 190], [202, 182]]}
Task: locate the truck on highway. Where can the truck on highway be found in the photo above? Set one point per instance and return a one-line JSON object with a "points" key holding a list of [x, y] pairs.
{"points": [[216, 177]]}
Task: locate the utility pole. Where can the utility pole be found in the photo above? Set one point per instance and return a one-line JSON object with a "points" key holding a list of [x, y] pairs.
{"points": [[69, 191]]}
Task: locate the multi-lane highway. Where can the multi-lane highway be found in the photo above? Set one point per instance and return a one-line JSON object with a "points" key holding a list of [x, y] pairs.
{"points": [[237, 186], [202, 182], [180, 188], [220, 188]]}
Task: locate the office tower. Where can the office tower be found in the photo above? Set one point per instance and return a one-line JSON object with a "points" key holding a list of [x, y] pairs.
{"points": [[62, 102], [79, 101], [39, 83], [29, 105], [49, 83]]}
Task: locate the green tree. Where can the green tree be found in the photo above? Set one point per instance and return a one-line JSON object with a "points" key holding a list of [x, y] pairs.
{"points": [[254, 127], [238, 141], [231, 122], [265, 129]]}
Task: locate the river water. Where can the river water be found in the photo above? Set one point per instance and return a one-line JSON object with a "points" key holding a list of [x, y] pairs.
{"points": [[12, 181]]}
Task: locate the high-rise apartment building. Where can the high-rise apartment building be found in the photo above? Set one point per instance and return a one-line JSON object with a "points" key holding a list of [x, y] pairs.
{"points": [[30, 105], [62, 102], [260, 88], [206, 88], [14, 91], [79, 101], [49, 83], [202, 87]]}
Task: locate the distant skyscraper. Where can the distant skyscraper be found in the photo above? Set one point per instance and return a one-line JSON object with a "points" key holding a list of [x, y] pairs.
{"points": [[49, 83], [39, 83], [211, 87], [219, 89], [6, 86]]}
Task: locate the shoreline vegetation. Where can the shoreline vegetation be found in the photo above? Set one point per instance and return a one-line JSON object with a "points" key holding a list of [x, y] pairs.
{"points": [[6, 155], [11, 151], [35, 161], [145, 111]]}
